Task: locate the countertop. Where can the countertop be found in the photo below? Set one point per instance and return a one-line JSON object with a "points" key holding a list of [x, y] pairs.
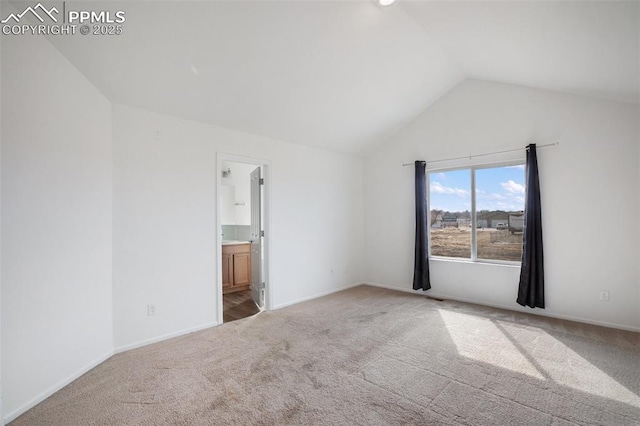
{"points": [[234, 242]]}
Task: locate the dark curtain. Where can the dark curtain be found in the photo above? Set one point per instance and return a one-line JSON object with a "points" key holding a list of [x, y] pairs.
{"points": [[531, 287], [421, 262]]}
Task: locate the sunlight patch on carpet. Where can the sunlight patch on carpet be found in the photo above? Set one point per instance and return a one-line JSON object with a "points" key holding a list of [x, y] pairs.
{"points": [[582, 375], [527, 351], [480, 339]]}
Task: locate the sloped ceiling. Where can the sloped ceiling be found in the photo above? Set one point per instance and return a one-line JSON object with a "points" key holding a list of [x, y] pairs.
{"points": [[347, 75], [586, 48]]}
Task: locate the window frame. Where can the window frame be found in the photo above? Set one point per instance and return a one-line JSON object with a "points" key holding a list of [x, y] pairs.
{"points": [[472, 180]]}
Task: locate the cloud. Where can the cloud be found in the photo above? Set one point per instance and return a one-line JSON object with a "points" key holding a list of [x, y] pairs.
{"points": [[438, 188], [482, 196], [512, 187], [507, 201], [507, 206]]}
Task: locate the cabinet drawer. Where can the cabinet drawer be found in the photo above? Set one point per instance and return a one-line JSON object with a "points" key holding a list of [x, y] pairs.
{"points": [[236, 248]]}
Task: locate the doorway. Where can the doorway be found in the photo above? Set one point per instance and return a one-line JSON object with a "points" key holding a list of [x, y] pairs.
{"points": [[243, 239]]}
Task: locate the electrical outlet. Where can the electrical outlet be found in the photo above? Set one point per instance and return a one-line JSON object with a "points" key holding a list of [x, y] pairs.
{"points": [[604, 296], [151, 309]]}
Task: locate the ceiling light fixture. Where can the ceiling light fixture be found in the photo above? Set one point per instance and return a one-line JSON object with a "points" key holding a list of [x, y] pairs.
{"points": [[385, 2]]}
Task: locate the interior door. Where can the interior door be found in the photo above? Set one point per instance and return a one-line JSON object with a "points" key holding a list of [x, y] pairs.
{"points": [[257, 286]]}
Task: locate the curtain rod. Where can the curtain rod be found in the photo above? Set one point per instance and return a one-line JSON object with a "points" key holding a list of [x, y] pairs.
{"points": [[482, 155]]}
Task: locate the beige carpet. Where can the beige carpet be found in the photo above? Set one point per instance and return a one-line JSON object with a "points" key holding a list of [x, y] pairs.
{"points": [[366, 356]]}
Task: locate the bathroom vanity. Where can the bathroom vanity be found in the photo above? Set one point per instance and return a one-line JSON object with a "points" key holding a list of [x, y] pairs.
{"points": [[236, 266]]}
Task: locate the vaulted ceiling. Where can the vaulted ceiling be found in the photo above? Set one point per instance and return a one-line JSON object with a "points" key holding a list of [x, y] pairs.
{"points": [[347, 75]]}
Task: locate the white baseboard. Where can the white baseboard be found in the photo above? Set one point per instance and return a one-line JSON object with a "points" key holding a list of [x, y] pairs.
{"points": [[55, 388], [539, 312], [404, 290], [167, 336], [315, 296]]}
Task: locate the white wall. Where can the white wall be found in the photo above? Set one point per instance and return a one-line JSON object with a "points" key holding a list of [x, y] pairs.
{"points": [[227, 201], [1, 391], [56, 222], [164, 232], [591, 178], [240, 179]]}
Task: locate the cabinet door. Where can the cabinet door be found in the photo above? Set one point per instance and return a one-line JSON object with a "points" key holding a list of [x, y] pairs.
{"points": [[227, 270], [241, 269]]}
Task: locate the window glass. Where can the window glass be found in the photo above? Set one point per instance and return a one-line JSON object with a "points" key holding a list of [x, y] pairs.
{"points": [[500, 212], [499, 220], [450, 205]]}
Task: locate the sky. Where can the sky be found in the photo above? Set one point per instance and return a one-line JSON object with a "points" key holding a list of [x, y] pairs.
{"points": [[497, 188]]}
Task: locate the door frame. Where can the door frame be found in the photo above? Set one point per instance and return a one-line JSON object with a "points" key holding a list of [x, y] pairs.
{"points": [[266, 213]]}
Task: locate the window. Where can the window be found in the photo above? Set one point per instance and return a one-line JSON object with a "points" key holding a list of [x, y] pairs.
{"points": [[477, 213]]}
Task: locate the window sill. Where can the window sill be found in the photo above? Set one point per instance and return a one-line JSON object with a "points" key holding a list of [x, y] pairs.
{"points": [[502, 263]]}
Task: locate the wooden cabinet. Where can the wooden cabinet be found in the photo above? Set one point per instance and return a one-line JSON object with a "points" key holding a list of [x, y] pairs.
{"points": [[236, 267], [227, 270]]}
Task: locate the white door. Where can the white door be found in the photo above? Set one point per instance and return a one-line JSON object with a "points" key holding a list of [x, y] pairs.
{"points": [[257, 286]]}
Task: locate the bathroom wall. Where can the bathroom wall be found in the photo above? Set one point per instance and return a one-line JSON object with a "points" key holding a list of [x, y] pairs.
{"points": [[238, 179]]}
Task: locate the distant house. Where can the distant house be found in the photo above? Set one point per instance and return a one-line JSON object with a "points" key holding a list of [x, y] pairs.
{"points": [[463, 222], [449, 220], [516, 222], [436, 220], [492, 219]]}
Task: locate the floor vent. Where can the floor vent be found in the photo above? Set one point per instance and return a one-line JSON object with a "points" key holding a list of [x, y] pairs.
{"points": [[434, 298]]}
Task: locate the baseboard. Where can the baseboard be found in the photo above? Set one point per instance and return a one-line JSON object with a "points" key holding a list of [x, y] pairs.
{"points": [[538, 312], [55, 388], [315, 296], [404, 290], [167, 336]]}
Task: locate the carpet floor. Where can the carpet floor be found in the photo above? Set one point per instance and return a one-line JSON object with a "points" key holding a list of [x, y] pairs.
{"points": [[366, 356]]}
